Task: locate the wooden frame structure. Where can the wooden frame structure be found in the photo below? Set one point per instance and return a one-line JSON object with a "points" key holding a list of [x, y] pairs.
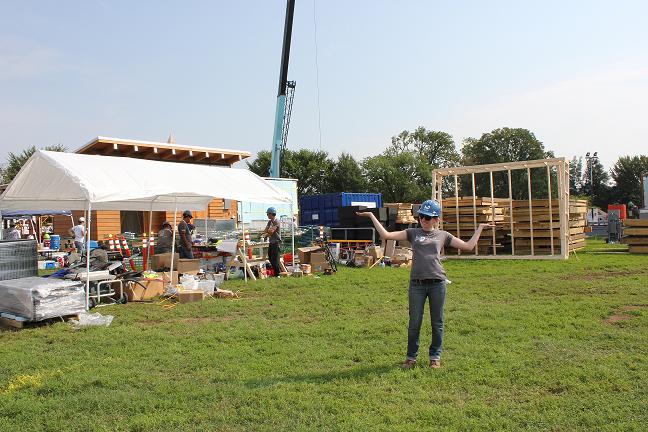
{"points": [[562, 168]]}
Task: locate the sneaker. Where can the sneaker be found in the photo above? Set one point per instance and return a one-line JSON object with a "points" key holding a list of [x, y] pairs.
{"points": [[408, 364], [435, 364]]}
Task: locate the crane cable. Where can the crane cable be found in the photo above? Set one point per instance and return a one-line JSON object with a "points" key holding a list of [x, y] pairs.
{"points": [[319, 116]]}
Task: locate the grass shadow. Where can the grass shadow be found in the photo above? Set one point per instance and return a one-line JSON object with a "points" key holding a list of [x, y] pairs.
{"points": [[321, 378]]}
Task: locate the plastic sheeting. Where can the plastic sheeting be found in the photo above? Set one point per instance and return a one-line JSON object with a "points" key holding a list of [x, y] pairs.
{"points": [[18, 259], [38, 298]]}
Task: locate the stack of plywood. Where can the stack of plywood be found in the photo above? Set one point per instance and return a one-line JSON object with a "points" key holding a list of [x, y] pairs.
{"points": [[545, 226], [635, 234], [471, 214], [404, 215]]}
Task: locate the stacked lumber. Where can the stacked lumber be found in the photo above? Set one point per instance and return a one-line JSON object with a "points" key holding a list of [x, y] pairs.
{"points": [[635, 234], [404, 215], [543, 223], [471, 213]]}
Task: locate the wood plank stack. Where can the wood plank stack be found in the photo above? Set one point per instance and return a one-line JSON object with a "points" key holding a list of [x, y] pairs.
{"points": [[404, 215], [486, 210], [635, 234], [546, 226]]}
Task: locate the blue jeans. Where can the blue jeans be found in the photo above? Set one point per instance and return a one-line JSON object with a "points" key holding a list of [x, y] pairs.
{"points": [[79, 246], [418, 293]]}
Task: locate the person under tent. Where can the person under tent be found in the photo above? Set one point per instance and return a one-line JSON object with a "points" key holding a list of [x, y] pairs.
{"points": [[14, 232], [78, 232], [164, 238], [273, 233], [184, 231]]}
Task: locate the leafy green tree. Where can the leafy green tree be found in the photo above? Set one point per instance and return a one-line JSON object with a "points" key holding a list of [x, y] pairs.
{"points": [[402, 177], [507, 145], [347, 175], [596, 183], [576, 176], [16, 161], [436, 148], [311, 168], [627, 174], [261, 165]]}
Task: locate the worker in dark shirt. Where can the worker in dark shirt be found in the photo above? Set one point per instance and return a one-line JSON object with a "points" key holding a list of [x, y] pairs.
{"points": [[184, 232], [273, 233], [165, 238]]}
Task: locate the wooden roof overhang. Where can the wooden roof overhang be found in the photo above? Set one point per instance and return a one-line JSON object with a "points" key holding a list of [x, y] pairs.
{"points": [[169, 152]]}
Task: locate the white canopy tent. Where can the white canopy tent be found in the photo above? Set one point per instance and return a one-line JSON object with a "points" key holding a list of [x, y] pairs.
{"points": [[70, 181]]}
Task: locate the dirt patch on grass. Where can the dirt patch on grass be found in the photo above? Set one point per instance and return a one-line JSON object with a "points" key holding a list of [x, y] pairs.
{"points": [[621, 314]]}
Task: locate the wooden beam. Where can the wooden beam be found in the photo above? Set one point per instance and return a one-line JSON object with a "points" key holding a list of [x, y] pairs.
{"points": [[537, 163]]}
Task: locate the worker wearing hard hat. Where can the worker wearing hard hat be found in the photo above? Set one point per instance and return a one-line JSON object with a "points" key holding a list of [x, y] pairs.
{"points": [[273, 233], [185, 247], [78, 232]]}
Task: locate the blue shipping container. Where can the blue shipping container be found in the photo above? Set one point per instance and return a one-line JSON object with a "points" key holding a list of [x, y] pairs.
{"points": [[323, 209]]}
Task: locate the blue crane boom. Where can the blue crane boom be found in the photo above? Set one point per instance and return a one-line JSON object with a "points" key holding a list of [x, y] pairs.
{"points": [[284, 97]]}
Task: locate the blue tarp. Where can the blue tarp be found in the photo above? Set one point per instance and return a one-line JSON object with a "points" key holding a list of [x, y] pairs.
{"points": [[16, 214]]}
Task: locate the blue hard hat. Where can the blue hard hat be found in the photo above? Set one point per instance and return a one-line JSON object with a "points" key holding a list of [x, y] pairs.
{"points": [[430, 208], [272, 210], [187, 213]]}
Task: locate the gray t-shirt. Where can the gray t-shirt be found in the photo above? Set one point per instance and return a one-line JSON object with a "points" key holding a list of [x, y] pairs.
{"points": [[426, 248], [275, 237]]}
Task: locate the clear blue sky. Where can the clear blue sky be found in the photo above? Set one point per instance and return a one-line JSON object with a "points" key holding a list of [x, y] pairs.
{"points": [[573, 72]]}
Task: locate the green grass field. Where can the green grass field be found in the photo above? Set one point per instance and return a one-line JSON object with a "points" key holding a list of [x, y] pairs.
{"points": [[529, 345]]}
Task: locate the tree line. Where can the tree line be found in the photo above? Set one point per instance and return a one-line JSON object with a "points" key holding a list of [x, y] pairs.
{"points": [[403, 171]]}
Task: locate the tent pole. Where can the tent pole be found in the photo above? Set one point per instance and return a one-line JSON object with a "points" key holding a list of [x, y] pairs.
{"points": [[292, 232], [206, 217], [150, 227], [87, 233], [175, 219], [243, 235]]}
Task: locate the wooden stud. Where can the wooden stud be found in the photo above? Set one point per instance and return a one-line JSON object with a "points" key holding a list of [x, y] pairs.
{"points": [[550, 215], [474, 203], [493, 211]]}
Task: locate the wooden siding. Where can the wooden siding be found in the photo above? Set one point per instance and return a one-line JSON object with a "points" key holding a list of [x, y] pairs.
{"points": [[216, 211]]}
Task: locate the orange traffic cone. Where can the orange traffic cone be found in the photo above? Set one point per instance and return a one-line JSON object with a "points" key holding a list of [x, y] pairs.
{"points": [[111, 243], [152, 244], [144, 252], [128, 253]]}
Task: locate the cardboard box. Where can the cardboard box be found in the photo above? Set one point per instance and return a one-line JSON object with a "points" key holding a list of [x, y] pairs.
{"points": [[144, 289], [363, 260], [190, 296], [317, 258], [163, 260], [375, 251], [305, 253], [188, 266], [319, 268]]}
